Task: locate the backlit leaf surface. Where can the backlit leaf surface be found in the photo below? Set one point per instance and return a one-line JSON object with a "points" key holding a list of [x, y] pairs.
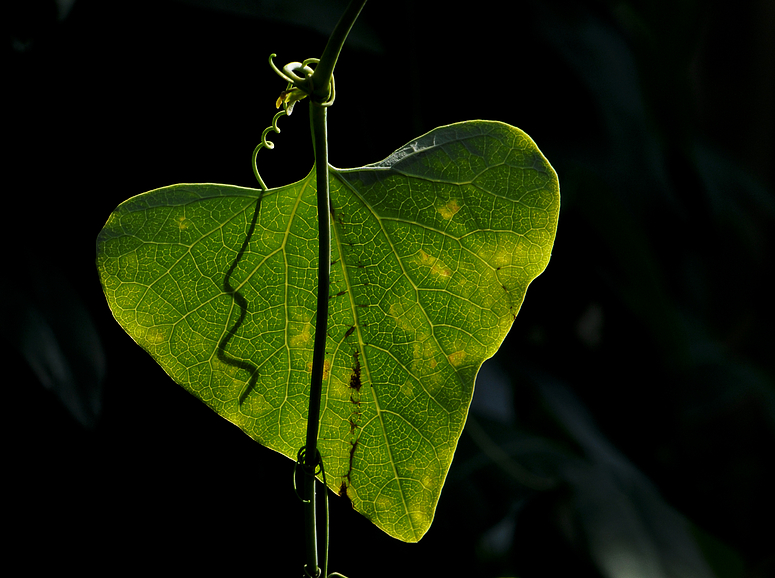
{"points": [[432, 252]]}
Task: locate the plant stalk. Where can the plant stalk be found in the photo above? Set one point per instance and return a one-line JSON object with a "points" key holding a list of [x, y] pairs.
{"points": [[320, 145], [324, 70], [321, 81]]}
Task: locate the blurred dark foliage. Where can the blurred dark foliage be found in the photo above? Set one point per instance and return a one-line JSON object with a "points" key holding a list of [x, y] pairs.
{"points": [[627, 425]]}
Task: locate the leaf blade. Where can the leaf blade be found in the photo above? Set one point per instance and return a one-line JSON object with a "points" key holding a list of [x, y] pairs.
{"points": [[424, 287], [439, 264]]}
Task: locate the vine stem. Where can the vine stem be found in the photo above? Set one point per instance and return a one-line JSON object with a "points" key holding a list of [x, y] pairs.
{"points": [[325, 68], [320, 95], [320, 145]]}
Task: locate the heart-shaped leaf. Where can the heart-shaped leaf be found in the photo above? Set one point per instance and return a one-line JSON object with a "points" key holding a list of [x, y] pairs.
{"points": [[432, 252]]}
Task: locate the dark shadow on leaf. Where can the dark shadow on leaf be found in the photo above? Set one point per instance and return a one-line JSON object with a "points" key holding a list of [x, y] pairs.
{"points": [[242, 304]]}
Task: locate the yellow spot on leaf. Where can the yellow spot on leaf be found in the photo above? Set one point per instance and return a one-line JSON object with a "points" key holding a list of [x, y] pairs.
{"points": [[383, 503], [303, 338], [501, 258], [456, 358], [419, 519], [424, 364], [326, 368], [400, 313], [448, 210], [182, 223], [437, 267], [156, 335], [423, 353]]}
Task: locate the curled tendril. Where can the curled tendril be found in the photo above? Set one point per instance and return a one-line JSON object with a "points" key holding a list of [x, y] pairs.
{"points": [[288, 73], [302, 83], [265, 143], [299, 87], [309, 470], [332, 94]]}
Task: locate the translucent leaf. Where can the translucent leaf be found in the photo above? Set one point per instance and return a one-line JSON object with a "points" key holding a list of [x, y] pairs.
{"points": [[432, 252]]}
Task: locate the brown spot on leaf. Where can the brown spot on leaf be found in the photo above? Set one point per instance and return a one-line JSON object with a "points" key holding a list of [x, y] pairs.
{"points": [[355, 378], [353, 445], [343, 489], [343, 493]]}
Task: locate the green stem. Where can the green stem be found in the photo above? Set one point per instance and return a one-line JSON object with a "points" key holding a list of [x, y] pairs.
{"points": [[320, 145], [320, 99], [324, 70]]}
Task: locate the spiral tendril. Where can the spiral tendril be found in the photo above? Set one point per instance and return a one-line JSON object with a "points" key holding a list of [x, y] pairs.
{"points": [[265, 143], [296, 90]]}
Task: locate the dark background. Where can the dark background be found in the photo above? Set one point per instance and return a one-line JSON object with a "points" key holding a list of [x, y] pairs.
{"points": [[625, 429]]}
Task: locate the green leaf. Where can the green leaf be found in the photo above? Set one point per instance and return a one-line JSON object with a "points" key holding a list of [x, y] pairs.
{"points": [[432, 252]]}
